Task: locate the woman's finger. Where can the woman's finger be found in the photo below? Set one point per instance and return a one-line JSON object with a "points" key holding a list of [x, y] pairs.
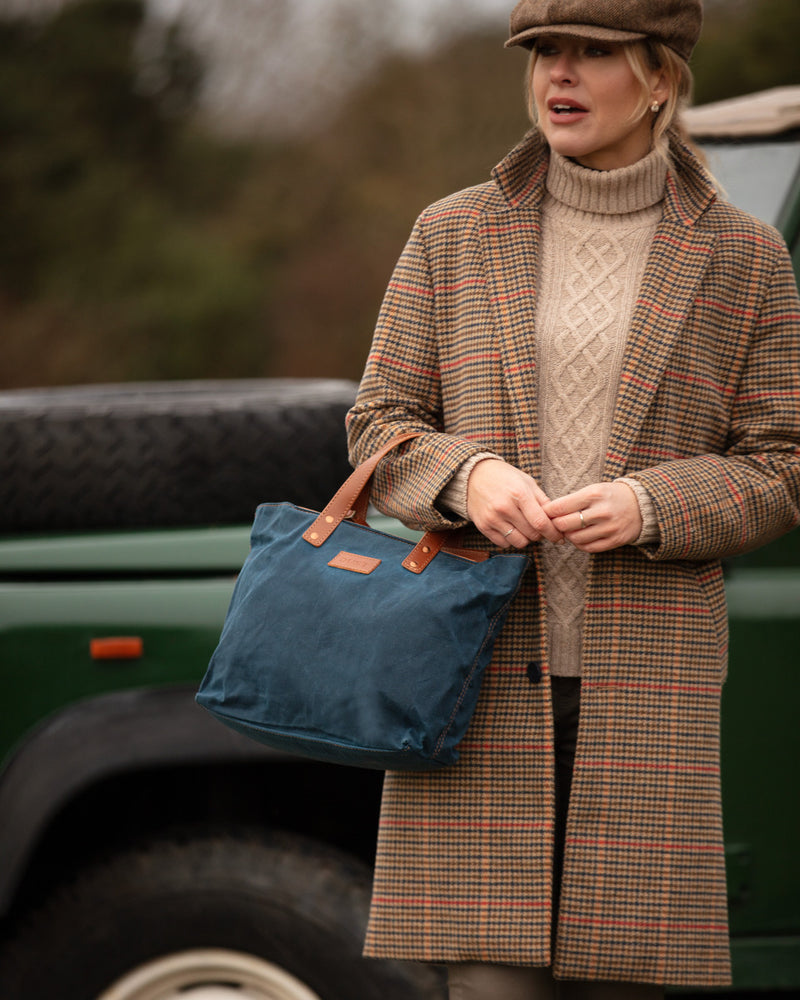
{"points": [[598, 518], [505, 504]]}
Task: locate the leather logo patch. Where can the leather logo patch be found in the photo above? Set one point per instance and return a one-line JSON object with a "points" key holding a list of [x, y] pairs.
{"points": [[354, 563]]}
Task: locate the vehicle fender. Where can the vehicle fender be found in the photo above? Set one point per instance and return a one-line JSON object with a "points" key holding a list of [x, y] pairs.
{"points": [[93, 739]]}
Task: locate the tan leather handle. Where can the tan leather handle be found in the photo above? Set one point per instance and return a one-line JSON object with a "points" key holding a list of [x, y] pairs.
{"points": [[352, 499], [347, 497], [434, 542]]}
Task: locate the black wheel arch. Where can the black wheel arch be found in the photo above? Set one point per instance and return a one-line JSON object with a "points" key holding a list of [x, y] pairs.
{"points": [[147, 759]]}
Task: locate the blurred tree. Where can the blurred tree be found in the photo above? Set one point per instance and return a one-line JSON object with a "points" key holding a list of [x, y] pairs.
{"points": [[421, 128], [107, 265], [746, 45]]}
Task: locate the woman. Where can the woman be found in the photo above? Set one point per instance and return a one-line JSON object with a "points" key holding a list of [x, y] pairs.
{"points": [[603, 356]]}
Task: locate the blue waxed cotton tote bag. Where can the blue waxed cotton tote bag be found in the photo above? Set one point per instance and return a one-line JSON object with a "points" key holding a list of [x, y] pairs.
{"points": [[349, 645]]}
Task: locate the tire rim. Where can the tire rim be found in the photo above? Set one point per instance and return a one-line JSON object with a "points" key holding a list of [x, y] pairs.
{"points": [[207, 974]]}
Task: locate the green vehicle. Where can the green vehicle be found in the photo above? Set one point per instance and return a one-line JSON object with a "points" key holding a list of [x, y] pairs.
{"points": [[149, 853]]}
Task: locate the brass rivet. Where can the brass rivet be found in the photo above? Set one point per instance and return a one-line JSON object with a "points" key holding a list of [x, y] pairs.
{"points": [[313, 535], [412, 563], [329, 519], [425, 548]]}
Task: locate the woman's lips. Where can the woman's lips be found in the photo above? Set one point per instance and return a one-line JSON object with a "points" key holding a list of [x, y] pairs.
{"points": [[564, 112]]}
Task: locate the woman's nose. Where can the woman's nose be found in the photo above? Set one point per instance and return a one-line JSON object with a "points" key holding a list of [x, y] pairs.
{"points": [[563, 70]]}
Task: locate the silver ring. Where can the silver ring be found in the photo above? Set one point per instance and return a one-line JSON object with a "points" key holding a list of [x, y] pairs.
{"points": [[580, 515], [508, 532]]}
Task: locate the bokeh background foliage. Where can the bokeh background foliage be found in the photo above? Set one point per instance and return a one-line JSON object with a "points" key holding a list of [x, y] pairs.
{"points": [[143, 238]]}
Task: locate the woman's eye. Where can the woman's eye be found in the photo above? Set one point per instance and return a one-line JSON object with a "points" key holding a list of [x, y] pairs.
{"points": [[596, 51], [546, 50]]}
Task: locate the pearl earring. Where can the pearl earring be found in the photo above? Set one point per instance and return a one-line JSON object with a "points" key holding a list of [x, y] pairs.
{"points": [[655, 107]]}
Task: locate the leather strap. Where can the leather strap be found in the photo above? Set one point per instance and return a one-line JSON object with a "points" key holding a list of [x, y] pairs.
{"points": [[352, 499], [348, 497]]}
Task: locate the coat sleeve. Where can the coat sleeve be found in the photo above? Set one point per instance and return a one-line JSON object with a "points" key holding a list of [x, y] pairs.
{"points": [[401, 391], [717, 505]]}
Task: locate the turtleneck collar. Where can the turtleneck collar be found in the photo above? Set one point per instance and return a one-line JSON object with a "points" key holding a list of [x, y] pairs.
{"points": [[607, 192]]}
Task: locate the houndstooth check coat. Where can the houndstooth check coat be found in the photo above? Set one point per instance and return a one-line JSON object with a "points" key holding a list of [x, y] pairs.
{"points": [[707, 418]]}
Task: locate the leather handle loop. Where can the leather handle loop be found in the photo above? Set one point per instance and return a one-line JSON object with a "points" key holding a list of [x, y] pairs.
{"points": [[430, 545], [349, 495], [352, 500], [434, 542]]}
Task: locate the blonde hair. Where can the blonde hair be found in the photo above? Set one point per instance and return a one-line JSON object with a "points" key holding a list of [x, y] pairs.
{"points": [[644, 57]]}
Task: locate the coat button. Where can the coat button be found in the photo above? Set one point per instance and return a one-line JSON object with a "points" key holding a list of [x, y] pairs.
{"points": [[534, 671]]}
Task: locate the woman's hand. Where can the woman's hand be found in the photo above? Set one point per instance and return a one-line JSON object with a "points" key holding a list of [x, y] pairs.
{"points": [[597, 518], [506, 505]]}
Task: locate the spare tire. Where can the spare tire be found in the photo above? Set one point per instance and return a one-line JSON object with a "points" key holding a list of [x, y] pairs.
{"points": [[166, 454]]}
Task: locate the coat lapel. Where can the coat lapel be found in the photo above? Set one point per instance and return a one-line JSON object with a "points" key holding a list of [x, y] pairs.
{"points": [[509, 242], [678, 258]]}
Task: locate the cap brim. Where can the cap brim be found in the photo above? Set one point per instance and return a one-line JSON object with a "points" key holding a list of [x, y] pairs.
{"points": [[527, 37]]}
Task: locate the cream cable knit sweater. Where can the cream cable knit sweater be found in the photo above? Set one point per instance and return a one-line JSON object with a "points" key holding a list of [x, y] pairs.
{"points": [[597, 227]]}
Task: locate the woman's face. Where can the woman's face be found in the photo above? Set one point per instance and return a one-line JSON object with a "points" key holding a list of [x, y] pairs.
{"points": [[588, 100]]}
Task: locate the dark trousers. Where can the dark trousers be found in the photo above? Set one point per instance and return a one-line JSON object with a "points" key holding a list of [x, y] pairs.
{"points": [[566, 715], [480, 981]]}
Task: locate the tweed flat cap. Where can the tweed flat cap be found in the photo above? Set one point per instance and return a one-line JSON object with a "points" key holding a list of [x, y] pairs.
{"points": [[677, 23]]}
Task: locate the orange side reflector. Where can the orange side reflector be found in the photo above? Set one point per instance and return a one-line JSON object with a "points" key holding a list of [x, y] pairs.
{"points": [[116, 648]]}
